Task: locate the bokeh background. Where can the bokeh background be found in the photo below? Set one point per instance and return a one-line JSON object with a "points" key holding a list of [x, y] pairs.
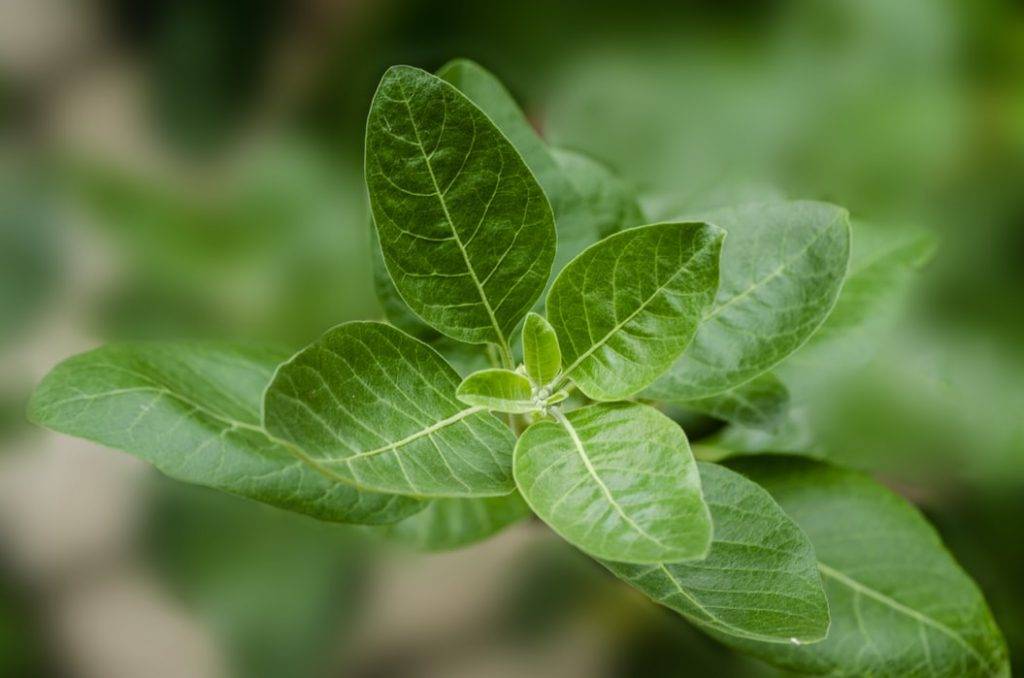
{"points": [[190, 168]]}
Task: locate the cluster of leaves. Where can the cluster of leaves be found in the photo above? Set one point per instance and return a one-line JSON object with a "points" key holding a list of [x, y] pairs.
{"points": [[807, 565]]}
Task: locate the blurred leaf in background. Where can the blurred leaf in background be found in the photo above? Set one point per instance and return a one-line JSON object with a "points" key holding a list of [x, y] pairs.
{"points": [[279, 591]]}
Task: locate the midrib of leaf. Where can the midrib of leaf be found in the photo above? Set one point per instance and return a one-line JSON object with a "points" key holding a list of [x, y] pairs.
{"points": [[619, 325], [921, 618], [581, 450], [779, 270], [506, 353], [436, 426], [230, 423], [713, 621]]}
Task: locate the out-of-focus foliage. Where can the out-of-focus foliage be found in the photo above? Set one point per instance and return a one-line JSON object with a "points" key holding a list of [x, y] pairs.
{"points": [[279, 590]]}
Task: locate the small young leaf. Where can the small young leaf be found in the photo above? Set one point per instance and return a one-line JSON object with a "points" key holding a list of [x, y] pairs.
{"points": [[575, 221], [628, 306], [759, 581], [466, 232], [378, 408], [759, 403], [617, 481], [614, 206], [498, 390], [448, 524], [193, 411], [900, 604], [541, 354], [782, 267]]}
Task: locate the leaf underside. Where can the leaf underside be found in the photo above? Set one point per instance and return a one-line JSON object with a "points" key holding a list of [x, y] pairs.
{"points": [[448, 524], [377, 408], [193, 411]]}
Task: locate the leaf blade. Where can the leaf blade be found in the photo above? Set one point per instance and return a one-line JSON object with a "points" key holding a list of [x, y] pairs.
{"points": [[448, 524], [466, 232], [541, 353], [760, 403], [760, 578], [623, 466], [575, 220], [192, 410], [378, 408], [782, 268], [498, 390], [900, 603], [621, 325]]}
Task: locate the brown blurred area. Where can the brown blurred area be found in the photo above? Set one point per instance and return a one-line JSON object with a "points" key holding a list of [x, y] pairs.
{"points": [[188, 168]]}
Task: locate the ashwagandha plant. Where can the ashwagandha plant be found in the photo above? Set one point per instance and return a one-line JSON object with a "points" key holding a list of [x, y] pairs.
{"points": [[807, 565]]}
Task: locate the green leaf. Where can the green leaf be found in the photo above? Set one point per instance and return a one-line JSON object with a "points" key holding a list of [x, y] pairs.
{"points": [[193, 411], [900, 604], [541, 353], [396, 311], [377, 408], [617, 481], [448, 524], [759, 581], [575, 221], [612, 203], [498, 390], [628, 306], [782, 267], [466, 232], [760, 403], [882, 267]]}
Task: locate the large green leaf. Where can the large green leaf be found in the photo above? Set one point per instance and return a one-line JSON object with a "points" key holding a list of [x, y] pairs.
{"points": [[193, 411], [575, 220], [759, 403], [453, 523], [782, 267], [900, 604], [616, 480], [498, 390], [759, 581], [377, 408], [882, 267], [612, 203], [396, 311], [628, 306], [541, 353], [466, 232]]}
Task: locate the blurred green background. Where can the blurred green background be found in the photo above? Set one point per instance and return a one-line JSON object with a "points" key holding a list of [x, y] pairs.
{"points": [[183, 168]]}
